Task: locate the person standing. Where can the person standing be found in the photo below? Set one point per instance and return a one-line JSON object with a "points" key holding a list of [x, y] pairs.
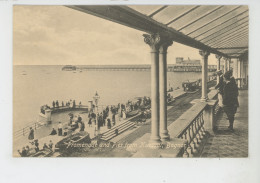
{"points": [[108, 123], [74, 104], [82, 127], [230, 98], [123, 114], [57, 103], [50, 145], [113, 119], [60, 129], [36, 144], [90, 122], [31, 134], [220, 87]]}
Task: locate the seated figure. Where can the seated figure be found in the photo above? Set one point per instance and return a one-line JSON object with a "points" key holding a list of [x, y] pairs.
{"points": [[53, 132]]}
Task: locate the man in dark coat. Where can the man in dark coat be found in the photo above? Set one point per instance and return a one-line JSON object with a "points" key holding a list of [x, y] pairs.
{"points": [[230, 100]]}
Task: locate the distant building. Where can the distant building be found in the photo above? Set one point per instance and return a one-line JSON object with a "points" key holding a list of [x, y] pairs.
{"points": [[180, 60], [190, 66]]}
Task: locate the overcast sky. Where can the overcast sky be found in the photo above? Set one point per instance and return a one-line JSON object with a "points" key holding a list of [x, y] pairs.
{"points": [[57, 35]]}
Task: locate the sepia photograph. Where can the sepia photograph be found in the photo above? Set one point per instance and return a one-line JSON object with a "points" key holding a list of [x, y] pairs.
{"points": [[130, 81]]}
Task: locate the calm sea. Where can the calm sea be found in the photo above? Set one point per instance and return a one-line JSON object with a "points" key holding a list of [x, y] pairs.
{"points": [[34, 86]]}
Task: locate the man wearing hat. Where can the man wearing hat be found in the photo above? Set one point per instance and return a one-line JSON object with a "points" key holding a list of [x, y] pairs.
{"points": [[230, 97]]}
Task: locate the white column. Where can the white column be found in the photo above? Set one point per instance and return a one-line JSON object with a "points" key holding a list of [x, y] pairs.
{"points": [[218, 65], [239, 73], [204, 63], [153, 41], [242, 73], [245, 71], [235, 67], [163, 89], [225, 65], [229, 64]]}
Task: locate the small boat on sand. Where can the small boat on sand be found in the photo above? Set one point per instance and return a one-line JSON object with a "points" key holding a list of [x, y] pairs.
{"points": [[68, 142]]}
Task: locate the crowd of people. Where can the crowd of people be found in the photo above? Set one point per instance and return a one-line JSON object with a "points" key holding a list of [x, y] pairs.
{"points": [[108, 116], [70, 103], [34, 147], [44, 107], [228, 91], [56, 104]]}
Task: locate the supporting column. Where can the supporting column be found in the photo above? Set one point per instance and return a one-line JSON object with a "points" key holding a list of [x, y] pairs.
{"points": [[235, 67], [245, 72], [242, 73], [153, 41], [218, 66], [204, 93], [225, 65], [239, 73], [163, 89], [229, 64]]}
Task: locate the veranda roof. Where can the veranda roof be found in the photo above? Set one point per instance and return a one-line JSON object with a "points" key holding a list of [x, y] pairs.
{"points": [[222, 30]]}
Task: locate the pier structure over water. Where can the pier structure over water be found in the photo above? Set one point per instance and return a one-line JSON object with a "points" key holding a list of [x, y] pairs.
{"points": [[219, 30], [170, 68]]}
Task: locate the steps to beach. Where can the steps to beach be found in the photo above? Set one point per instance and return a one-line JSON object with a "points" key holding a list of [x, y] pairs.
{"points": [[116, 130]]}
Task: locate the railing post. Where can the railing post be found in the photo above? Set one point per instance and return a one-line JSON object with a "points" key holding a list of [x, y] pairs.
{"points": [[189, 148], [198, 136], [202, 122], [185, 153], [194, 146], [209, 116]]}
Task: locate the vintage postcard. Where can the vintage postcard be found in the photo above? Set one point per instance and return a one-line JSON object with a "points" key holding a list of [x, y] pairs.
{"points": [[130, 81]]}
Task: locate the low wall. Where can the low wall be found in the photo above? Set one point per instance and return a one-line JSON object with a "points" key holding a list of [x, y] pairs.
{"points": [[194, 124]]}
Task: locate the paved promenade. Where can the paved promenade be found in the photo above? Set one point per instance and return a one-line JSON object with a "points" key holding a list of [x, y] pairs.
{"points": [[230, 144], [174, 111]]}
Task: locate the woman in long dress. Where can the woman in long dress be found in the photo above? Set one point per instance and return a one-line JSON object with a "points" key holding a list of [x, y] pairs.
{"points": [[31, 134], [124, 114]]}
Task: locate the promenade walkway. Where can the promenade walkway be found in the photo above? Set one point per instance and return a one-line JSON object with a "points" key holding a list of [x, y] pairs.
{"points": [[175, 110], [230, 144]]}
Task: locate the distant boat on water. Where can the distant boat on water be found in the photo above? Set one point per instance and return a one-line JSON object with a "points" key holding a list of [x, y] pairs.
{"points": [[69, 68]]}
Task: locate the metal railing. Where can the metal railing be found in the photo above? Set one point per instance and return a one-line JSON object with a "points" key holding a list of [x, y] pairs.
{"points": [[25, 130]]}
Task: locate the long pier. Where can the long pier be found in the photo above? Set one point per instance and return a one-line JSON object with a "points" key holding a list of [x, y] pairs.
{"points": [[170, 68]]}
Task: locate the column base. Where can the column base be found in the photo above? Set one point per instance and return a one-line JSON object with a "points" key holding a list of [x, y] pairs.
{"points": [[204, 99], [155, 142], [165, 136]]}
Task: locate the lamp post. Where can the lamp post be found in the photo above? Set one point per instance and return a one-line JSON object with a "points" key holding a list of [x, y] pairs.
{"points": [[96, 99]]}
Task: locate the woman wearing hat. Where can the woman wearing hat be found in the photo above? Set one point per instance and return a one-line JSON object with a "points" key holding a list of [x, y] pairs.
{"points": [[230, 100], [220, 86]]}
